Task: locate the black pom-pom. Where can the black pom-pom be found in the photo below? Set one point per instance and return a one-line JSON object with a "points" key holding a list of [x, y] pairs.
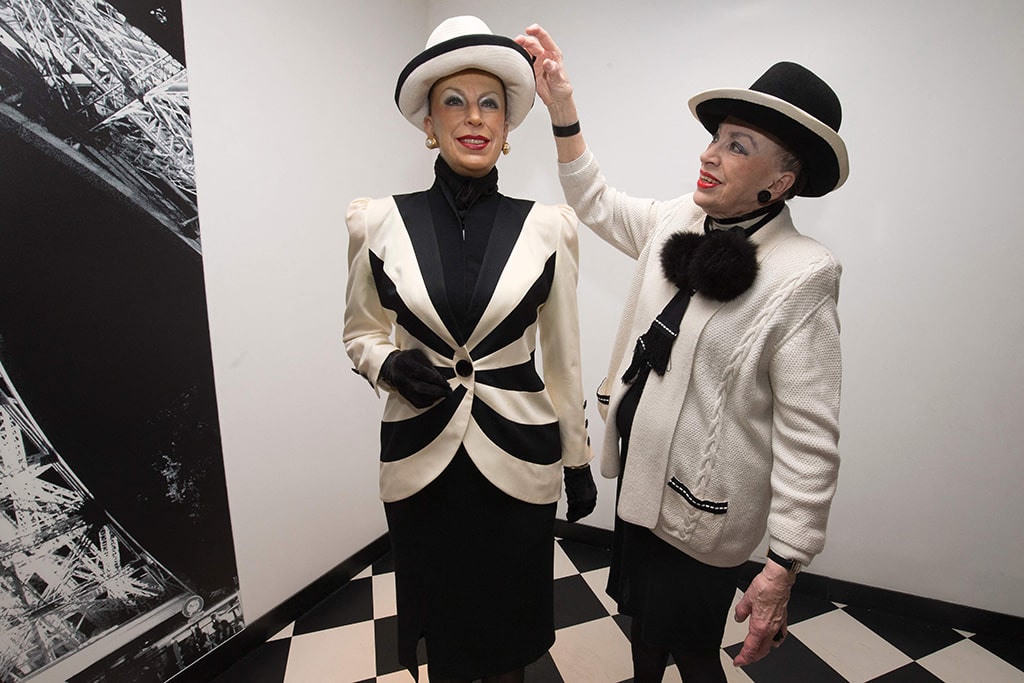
{"points": [[676, 256], [724, 265]]}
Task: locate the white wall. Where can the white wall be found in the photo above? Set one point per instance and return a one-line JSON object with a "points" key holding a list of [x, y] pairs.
{"points": [[291, 119], [928, 228], [293, 116]]}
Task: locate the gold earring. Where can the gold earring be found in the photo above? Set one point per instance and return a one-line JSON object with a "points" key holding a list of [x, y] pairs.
{"points": [[431, 142], [505, 149]]}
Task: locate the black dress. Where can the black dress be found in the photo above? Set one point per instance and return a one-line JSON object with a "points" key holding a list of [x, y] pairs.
{"points": [[473, 565]]}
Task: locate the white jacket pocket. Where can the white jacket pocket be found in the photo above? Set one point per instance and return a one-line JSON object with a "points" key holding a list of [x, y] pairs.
{"points": [[696, 521]]}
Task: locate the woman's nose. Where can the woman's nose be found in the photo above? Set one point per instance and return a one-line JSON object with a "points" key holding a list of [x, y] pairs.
{"points": [[708, 155]]}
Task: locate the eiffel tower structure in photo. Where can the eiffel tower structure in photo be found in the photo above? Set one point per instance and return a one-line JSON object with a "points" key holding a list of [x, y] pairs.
{"points": [[85, 87], [74, 585], [117, 101]]}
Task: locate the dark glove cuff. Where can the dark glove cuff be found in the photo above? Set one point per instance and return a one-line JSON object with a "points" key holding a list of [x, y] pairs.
{"points": [[384, 375], [577, 468]]}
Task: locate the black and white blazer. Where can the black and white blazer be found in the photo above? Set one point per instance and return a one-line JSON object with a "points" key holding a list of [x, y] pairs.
{"points": [[517, 425]]}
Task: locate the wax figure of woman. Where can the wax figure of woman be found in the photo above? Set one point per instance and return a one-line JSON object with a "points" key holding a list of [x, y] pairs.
{"points": [[448, 292], [722, 397]]}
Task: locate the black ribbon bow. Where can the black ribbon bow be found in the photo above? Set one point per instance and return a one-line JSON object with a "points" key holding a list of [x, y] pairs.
{"points": [[720, 264]]}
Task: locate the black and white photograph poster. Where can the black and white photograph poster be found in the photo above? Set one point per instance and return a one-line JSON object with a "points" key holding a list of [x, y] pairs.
{"points": [[116, 553]]}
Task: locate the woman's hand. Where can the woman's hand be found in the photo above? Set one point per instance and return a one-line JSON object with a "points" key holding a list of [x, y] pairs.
{"points": [[554, 89], [553, 84], [580, 492], [414, 377], [765, 603]]}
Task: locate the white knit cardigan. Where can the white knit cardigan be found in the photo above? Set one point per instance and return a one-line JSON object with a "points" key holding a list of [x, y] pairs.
{"points": [[741, 433]]}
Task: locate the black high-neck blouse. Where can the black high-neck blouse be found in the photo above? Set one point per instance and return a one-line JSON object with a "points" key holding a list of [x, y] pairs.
{"points": [[463, 211]]}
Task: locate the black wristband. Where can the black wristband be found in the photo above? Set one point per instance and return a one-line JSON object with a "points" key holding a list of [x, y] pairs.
{"points": [[566, 131], [788, 565]]}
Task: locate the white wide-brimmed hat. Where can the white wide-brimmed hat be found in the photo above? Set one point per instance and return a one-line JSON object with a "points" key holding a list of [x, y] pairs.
{"points": [[792, 103], [461, 43]]}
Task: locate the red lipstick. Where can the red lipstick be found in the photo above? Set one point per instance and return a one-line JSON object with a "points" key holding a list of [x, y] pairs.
{"points": [[706, 181], [474, 142]]}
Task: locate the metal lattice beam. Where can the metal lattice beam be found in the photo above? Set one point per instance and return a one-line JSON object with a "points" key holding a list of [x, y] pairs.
{"points": [[68, 571], [123, 94]]}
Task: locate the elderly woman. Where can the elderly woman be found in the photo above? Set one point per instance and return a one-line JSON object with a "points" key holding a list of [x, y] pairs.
{"points": [[448, 292], [722, 397]]}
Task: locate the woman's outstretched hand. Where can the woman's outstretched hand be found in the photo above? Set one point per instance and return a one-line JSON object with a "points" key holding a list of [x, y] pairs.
{"points": [[553, 84], [555, 91]]}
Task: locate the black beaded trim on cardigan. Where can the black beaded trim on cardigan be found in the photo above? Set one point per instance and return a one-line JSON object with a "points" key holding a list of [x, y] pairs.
{"points": [[705, 505]]}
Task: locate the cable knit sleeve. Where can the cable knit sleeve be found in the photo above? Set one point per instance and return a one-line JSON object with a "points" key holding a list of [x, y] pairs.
{"points": [[806, 375], [625, 222]]}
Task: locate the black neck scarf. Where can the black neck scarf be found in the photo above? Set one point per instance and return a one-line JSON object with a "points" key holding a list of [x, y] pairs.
{"points": [[463, 191], [721, 264]]}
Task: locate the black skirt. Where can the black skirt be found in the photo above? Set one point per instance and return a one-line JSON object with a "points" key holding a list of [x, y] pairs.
{"points": [[473, 575], [677, 602]]}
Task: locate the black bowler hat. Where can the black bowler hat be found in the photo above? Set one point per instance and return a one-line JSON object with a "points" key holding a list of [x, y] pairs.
{"points": [[798, 108]]}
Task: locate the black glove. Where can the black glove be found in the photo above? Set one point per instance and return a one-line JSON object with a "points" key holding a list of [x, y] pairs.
{"points": [[580, 492], [411, 373]]}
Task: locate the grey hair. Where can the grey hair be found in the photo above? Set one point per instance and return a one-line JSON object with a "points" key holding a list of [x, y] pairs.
{"points": [[788, 161]]}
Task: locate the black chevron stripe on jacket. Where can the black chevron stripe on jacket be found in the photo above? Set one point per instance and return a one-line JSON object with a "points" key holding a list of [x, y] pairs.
{"points": [[518, 425]]}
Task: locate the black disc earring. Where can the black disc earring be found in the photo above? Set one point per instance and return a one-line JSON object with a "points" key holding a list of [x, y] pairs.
{"points": [[764, 196]]}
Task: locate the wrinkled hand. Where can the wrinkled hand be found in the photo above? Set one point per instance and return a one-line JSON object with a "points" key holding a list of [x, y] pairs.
{"points": [[415, 378], [765, 603], [580, 492], [553, 84]]}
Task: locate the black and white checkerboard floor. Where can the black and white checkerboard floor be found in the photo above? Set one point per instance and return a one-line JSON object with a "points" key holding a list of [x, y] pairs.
{"points": [[349, 638]]}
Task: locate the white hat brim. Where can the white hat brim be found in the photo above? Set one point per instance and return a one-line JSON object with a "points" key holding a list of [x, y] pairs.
{"points": [[506, 63]]}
